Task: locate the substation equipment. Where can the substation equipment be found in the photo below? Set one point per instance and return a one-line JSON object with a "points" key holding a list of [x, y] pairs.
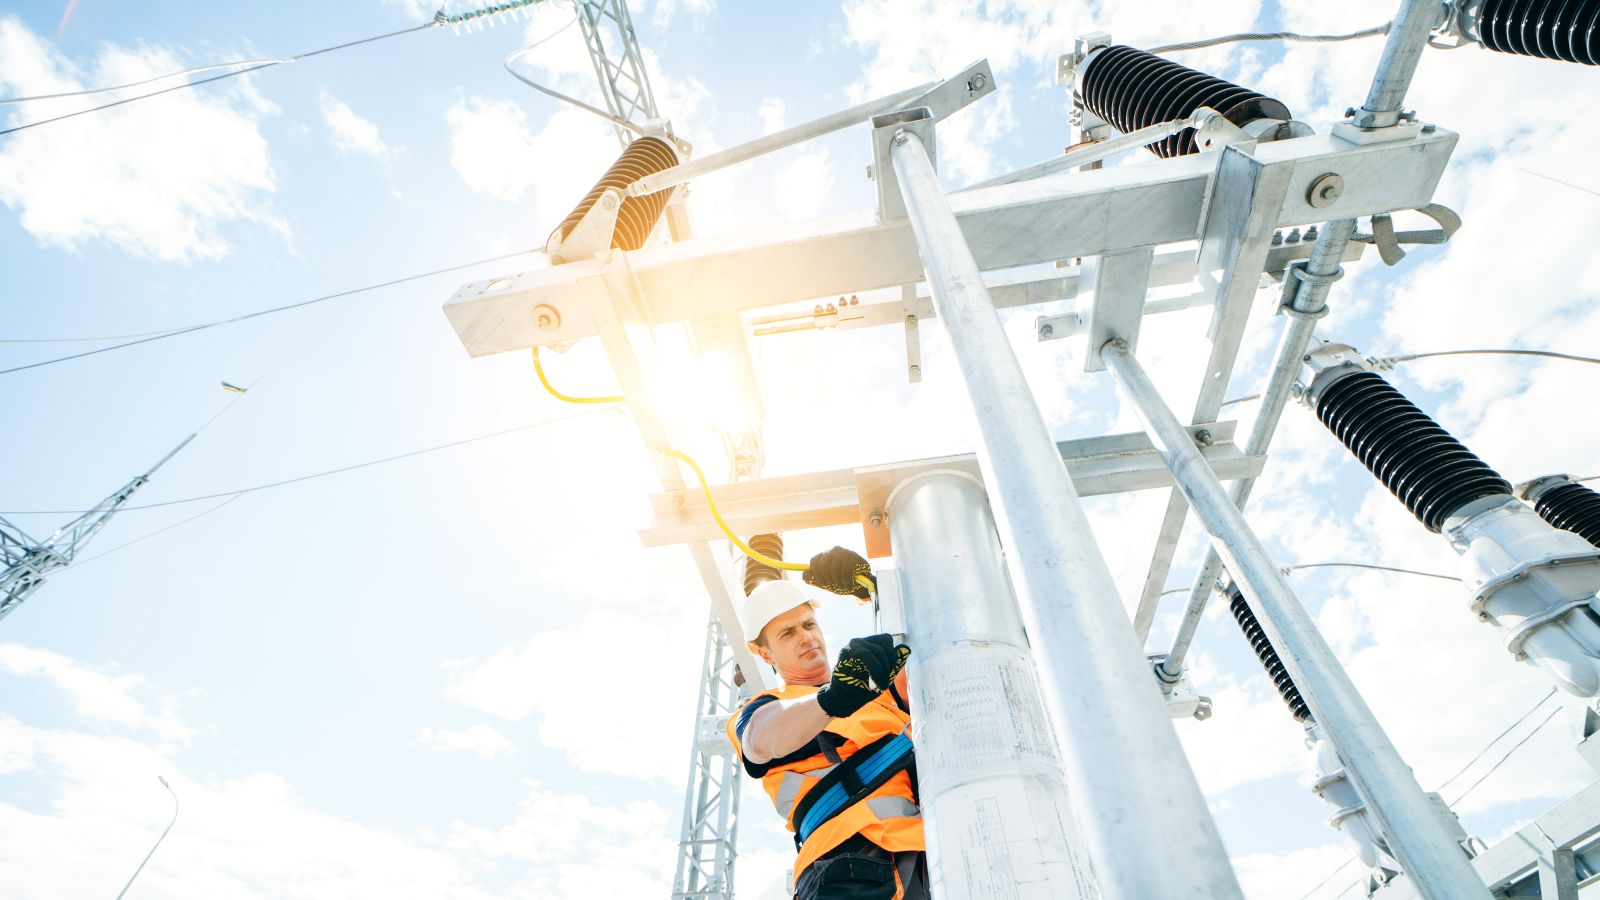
{"points": [[1048, 763]]}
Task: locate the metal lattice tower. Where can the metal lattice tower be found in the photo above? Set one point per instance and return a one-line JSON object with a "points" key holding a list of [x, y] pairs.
{"points": [[618, 64], [28, 562], [707, 850]]}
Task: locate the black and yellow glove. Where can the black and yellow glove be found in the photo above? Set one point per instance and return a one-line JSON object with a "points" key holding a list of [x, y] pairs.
{"points": [[866, 668], [836, 570]]}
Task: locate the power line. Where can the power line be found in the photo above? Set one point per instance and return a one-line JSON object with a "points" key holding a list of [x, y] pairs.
{"points": [[1495, 740], [1514, 748], [1356, 565], [145, 537], [161, 335], [1374, 31], [265, 64], [1559, 181], [1329, 878], [323, 474], [1407, 357]]}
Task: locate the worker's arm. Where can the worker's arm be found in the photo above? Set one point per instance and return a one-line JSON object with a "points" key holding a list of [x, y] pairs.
{"points": [[781, 727]]}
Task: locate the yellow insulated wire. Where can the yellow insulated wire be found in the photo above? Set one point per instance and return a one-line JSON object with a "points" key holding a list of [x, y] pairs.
{"points": [[699, 474], [538, 369]]}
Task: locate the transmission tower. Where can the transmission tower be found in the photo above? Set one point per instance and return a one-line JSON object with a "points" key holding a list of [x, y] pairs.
{"points": [[28, 562], [618, 64]]}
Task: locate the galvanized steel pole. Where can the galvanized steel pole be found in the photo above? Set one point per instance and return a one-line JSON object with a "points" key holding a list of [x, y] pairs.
{"points": [[1433, 861], [1309, 304], [1408, 37], [985, 749], [1134, 788]]}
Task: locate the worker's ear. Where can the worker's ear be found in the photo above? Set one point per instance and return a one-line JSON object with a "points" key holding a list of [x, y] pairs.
{"points": [[764, 653]]}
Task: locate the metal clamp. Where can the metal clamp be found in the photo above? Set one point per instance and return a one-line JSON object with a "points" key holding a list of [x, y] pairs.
{"points": [[1297, 274]]}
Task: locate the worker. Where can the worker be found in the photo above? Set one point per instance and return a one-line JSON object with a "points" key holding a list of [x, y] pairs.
{"points": [[832, 747]]}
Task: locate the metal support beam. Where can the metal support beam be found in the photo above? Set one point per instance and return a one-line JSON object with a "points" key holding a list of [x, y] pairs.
{"points": [[1095, 679], [1402, 50], [988, 759], [1414, 828], [1311, 283]]}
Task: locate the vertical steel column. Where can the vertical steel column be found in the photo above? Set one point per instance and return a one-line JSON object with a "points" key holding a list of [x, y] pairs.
{"points": [[1310, 303], [1416, 832], [994, 797], [1136, 792]]}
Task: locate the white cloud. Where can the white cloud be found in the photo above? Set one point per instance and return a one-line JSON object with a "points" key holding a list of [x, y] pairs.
{"points": [[159, 178], [97, 696], [589, 687], [350, 133], [481, 740], [801, 186], [495, 153], [772, 112]]}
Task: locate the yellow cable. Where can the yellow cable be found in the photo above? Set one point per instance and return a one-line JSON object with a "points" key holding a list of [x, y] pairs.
{"points": [[705, 486], [538, 369], [749, 551]]}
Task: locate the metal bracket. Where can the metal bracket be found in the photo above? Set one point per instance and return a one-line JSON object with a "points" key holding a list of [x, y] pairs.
{"points": [[957, 92], [885, 129], [1182, 699], [1119, 282], [591, 235]]}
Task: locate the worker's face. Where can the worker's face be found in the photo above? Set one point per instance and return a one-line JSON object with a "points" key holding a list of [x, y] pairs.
{"points": [[795, 648]]}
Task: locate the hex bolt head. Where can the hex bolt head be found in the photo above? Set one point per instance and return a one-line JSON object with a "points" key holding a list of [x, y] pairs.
{"points": [[875, 520], [977, 83], [1203, 437], [900, 137], [1047, 331]]}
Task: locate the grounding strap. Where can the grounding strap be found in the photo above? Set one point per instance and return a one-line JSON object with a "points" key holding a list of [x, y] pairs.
{"points": [[852, 781]]}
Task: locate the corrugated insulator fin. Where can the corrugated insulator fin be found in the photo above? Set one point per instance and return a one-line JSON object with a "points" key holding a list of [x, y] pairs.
{"points": [[1431, 472], [1132, 89], [1571, 507], [637, 216], [756, 573], [1566, 30], [1267, 654]]}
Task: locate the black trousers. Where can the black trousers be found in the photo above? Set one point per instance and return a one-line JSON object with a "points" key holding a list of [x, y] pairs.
{"points": [[858, 869]]}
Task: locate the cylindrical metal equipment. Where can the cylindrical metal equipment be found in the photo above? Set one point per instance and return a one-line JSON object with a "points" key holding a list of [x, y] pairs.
{"points": [[1407, 818], [1132, 89], [1133, 786], [638, 215], [1431, 472], [1402, 50], [1566, 30], [1567, 505], [986, 756]]}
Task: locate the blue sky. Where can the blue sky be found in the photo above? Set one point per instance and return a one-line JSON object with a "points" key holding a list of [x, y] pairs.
{"points": [[460, 674]]}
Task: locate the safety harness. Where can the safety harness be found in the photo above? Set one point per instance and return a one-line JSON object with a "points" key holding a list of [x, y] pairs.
{"points": [[852, 781]]}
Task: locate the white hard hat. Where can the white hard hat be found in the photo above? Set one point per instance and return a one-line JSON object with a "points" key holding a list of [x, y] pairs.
{"points": [[768, 601]]}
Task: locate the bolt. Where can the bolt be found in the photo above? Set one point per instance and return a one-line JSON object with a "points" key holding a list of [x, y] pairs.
{"points": [[1203, 437], [1277, 238], [1311, 232], [915, 371], [1047, 331], [1429, 128], [1350, 112], [854, 300], [876, 519], [608, 202], [977, 83], [899, 137], [546, 317], [1328, 192], [1294, 235]]}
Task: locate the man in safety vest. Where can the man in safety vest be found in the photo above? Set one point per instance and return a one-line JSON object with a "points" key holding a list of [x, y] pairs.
{"points": [[832, 747]]}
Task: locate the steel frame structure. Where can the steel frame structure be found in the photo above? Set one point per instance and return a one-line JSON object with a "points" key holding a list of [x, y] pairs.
{"points": [[28, 562], [976, 250], [618, 65]]}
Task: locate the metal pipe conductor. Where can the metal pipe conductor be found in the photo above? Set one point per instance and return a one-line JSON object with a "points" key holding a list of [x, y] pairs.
{"points": [[1414, 828], [1096, 683]]}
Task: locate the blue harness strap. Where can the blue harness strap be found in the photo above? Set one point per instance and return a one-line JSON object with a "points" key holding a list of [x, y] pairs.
{"points": [[853, 781]]}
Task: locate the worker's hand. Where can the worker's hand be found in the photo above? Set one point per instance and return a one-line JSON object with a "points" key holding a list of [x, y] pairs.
{"points": [[836, 570], [865, 669]]}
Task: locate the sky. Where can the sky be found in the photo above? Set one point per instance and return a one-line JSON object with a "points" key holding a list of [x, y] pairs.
{"points": [[459, 674]]}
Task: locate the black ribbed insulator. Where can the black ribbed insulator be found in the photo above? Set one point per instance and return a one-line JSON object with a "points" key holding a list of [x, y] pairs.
{"points": [[1267, 654], [1132, 89], [757, 573], [1567, 30], [1571, 507], [1431, 472], [638, 215]]}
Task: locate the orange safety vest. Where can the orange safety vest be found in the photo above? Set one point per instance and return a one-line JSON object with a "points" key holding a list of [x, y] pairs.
{"points": [[888, 817]]}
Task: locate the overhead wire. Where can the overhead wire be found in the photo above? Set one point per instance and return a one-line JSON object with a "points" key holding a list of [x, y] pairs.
{"points": [[1355, 565], [1374, 31], [1477, 351], [193, 70], [314, 475], [514, 55], [1509, 753], [1495, 740], [264, 64], [189, 329]]}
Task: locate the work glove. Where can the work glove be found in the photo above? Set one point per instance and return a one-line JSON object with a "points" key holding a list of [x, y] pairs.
{"points": [[866, 668], [836, 570]]}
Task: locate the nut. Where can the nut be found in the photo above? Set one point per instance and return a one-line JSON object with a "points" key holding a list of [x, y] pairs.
{"points": [[546, 317], [1047, 331], [1203, 437]]}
